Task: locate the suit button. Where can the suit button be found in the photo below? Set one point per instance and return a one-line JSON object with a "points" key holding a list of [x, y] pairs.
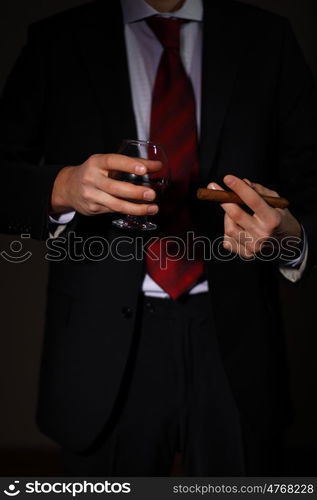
{"points": [[150, 307], [127, 312]]}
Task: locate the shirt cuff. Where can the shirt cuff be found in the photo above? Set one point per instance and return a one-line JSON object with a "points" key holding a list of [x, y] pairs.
{"points": [[294, 270], [59, 223], [62, 218]]}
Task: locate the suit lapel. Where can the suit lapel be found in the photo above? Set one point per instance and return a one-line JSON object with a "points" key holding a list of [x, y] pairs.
{"points": [[221, 47], [104, 54]]}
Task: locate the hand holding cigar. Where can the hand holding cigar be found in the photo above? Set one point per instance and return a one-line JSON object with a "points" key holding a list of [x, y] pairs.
{"points": [[247, 233], [231, 197]]}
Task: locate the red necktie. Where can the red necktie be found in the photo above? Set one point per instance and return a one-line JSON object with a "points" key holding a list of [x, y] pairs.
{"points": [[173, 124]]}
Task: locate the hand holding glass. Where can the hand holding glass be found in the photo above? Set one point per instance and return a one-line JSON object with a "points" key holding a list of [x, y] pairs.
{"points": [[156, 180]]}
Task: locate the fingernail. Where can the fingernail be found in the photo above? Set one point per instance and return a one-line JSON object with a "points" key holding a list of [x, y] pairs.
{"points": [[140, 169], [230, 180], [152, 209], [149, 195], [213, 186]]}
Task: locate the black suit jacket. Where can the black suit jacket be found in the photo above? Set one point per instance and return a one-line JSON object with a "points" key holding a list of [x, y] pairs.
{"points": [[69, 97]]}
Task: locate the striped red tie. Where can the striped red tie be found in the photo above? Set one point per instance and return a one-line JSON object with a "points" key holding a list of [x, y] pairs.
{"points": [[173, 124]]}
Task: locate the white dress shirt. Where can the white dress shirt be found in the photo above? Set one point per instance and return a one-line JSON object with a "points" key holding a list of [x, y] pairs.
{"points": [[144, 53]]}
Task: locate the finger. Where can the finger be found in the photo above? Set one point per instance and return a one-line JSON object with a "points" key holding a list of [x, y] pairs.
{"points": [[139, 166], [231, 208], [231, 229], [250, 197], [236, 232], [262, 190], [214, 186], [121, 189], [239, 216], [125, 207], [249, 183]]}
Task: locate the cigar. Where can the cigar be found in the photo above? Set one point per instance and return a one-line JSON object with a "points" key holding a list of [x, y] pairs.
{"points": [[231, 197]]}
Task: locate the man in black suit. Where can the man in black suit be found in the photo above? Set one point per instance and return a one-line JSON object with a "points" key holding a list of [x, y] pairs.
{"points": [[130, 377]]}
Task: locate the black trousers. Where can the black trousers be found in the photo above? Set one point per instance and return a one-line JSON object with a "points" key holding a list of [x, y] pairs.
{"points": [[175, 399]]}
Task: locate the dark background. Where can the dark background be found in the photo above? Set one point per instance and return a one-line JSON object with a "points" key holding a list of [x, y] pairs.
{"points": [[23, 450]]}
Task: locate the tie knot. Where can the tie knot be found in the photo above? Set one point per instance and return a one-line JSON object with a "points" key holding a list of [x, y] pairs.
{"points": [[167, 30]]}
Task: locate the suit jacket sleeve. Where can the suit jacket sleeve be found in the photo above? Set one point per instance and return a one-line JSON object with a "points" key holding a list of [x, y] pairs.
{"points": [[26, 182], [298, 138]]}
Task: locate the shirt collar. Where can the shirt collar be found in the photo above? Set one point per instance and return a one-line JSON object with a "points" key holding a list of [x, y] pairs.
{"points": [[136, 10]]}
